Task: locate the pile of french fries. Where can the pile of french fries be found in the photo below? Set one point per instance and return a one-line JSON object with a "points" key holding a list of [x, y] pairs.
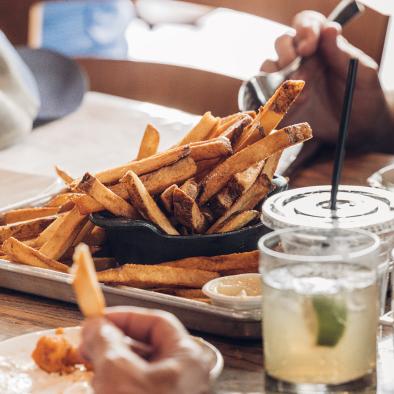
{"points": [[209, 182]]}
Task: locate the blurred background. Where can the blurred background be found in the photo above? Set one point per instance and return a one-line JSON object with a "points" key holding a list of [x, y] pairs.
{"points": [[230, 37]]}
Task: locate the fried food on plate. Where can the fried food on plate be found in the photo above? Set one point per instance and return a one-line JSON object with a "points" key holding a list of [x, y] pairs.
{"points": [[55, 354]]}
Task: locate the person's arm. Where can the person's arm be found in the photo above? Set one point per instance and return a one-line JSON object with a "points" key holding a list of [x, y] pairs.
{"points": [[176, 364], [327, 55]]}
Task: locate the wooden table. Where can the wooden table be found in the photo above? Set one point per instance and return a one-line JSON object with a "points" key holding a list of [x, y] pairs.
{"points": [[243, 372]]}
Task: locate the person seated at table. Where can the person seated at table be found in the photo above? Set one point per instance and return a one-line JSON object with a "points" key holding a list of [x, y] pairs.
{"points": [[327, 56], [177, 365], [87, 28]]}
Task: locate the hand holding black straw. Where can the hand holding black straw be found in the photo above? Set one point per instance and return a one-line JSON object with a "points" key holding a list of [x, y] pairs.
{"points": [[343, 131]]}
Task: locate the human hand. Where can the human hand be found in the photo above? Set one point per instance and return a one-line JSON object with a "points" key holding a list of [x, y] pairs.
{"points": [[177, 365], [327, 54]]}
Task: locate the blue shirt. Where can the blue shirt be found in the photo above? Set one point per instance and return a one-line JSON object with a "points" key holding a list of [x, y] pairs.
{"points": [[87, 28]]}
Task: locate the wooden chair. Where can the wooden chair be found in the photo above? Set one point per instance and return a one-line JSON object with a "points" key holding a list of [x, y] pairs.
{"points": [[188, 89]]}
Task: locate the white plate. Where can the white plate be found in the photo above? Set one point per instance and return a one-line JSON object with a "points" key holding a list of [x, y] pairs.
{"points": [[20, 375]]}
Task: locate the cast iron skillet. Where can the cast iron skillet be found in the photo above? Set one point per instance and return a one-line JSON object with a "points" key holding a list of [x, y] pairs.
{"points": [[140, 242]]}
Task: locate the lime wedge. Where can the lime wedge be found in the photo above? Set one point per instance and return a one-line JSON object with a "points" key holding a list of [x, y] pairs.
{"points": [[330, 320]]}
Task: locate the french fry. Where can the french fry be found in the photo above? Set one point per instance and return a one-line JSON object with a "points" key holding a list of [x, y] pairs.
{"points": [[25, 230], [23, 214], [237, 185], [159, 180], [7, 257], [245, 202], [104, 263], [63, 237], [106, 197], [271, 164], [26, 255], [144, 166], [191, 188], [252, 154], [212, 149], [273, 112], [97, 237], [238, 220], [154, 182], [225, 123], [201, 130], [187, 212], [245, 270], [87, 290], [64, 176], [85, 231], [68, 206], [145, 204], [205, 166], [166, 198], [218, 263], [179, 292], [69, 253], [147, 276], [87, 204], [45, 235], [235, 131], [60, 199], [150, 142]]}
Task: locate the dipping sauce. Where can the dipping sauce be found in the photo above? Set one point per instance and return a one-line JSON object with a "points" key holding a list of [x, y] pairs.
{"points": [[238, 286], [238, 292]]}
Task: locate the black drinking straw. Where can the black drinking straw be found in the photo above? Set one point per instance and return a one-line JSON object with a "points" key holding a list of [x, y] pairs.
{"points": [[343, 131]]}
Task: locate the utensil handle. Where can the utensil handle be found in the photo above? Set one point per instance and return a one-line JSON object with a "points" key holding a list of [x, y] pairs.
{"points": [[343, 13]]}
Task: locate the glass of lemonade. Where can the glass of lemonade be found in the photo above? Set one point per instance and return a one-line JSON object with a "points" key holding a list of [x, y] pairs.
{"points": [[320, 304]]}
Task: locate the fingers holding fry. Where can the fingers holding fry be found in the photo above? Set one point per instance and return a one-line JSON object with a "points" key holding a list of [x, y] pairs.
{"points": [[90, 298]]}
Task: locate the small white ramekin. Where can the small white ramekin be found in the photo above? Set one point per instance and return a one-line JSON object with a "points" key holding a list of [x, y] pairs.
{"points": [[233, 302]]}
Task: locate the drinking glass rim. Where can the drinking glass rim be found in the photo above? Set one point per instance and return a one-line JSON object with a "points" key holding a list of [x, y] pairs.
{"points": [[318, 259]]}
